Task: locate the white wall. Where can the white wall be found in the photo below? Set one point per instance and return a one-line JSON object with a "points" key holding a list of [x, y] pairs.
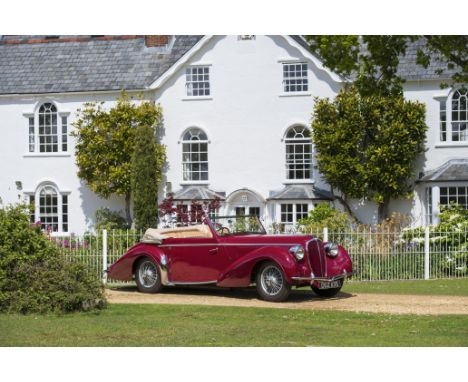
{"points": [[16, 163], [245, 117]]}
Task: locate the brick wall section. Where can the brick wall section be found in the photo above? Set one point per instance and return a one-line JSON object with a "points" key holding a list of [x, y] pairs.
{"points": [[156, 40]]}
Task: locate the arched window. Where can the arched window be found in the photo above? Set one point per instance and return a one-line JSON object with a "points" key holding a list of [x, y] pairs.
{"points": [[48, 129], [459, 116], [50, 208], [48, 135], [453, 117], [298, 153], [195, 155]]}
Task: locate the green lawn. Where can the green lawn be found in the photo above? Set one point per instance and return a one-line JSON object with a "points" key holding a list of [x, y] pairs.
{"points": [[175, 325], [457, 287]]}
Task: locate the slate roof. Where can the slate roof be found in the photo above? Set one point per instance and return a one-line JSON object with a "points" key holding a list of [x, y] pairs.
{"points": [[197, 193], [94, 65], [454, 170], [410, 70], [100, 65], [300, 191]]}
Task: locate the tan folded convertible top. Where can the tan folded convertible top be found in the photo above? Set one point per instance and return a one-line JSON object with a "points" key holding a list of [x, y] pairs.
{"points": [[156, 236]]}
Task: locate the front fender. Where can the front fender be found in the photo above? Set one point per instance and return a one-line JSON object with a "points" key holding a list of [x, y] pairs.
{"points": [[239, 273], [123, 268]]}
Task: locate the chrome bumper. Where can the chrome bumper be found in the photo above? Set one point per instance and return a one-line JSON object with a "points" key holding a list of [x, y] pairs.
{"points": [[313, 278]]}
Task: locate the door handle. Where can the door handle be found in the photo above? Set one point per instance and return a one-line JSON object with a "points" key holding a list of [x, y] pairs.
{"points": [[213, 251]]}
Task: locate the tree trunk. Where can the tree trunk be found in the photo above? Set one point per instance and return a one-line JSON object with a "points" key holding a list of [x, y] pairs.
{"points": [[348, 209], [128, 216], [383, 210]]}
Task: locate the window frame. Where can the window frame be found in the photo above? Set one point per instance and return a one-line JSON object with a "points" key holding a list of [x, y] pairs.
{"points": [[294, 211], [446, 122], [189, 90], [304, 80], [62, 134], [292, 164], [63, 207], [188, 163]]}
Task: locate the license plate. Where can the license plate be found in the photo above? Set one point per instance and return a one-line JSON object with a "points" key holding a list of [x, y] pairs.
{"points": [[329, 284]]}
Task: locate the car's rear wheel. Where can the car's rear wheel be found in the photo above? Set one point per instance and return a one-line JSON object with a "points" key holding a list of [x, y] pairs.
{"points": [[271, 283], [331, 292], [148, 276]]}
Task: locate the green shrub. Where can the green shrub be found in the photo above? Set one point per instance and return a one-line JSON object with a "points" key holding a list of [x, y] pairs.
{"points": [[35, 276], [107, 219], [323, 215]]}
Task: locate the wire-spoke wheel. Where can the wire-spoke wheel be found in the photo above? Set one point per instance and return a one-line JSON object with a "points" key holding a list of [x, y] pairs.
{"points": [[271, 283], [147, 276]]}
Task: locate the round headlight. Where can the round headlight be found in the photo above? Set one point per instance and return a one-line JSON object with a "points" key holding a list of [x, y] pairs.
{"points": [[297, 251], [331, 249]]}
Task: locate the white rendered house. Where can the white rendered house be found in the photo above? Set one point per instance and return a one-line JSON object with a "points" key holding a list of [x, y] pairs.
{"points": [[237, 113]]}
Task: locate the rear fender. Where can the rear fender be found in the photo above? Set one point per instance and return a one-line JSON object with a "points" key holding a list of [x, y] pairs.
{"points": [[124, 268], [239, 273]]}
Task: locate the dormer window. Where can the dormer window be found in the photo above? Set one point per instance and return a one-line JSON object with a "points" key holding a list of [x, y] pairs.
{"points": [[198, 81]]}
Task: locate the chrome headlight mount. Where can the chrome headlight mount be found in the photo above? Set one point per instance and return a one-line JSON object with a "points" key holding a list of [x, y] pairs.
{"points": [[331, 249], [298, 252]]}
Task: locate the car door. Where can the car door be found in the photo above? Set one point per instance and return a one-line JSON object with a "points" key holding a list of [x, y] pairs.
{"points": [[195, 260]]}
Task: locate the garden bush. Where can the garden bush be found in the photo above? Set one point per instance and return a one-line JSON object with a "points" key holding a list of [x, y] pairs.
{"points": [[107, 219], [323, 215], [35, 277]]}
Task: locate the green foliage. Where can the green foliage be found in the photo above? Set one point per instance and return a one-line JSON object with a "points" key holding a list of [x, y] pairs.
{"points": [[105, 142], [373, 61], [147, 163], [366, 146], [453, 50], [107, 219], [34, 276], [323, 215], [448, 241]]}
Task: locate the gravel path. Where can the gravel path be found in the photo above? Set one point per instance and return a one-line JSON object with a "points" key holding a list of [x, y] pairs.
{"points": [[361, 302]]}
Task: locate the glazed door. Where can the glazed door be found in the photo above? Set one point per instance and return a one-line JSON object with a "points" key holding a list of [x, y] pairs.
{"points": [[195, 260]]}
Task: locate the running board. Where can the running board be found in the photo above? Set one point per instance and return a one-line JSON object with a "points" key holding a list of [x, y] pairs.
{"points": [[187, 283]]}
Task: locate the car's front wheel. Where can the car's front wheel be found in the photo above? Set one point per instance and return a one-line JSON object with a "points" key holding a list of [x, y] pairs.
{"points": [[148, 276], [271, 283]]}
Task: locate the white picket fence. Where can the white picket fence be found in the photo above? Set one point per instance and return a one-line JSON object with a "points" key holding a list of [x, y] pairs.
{"points": [[377, 255]]}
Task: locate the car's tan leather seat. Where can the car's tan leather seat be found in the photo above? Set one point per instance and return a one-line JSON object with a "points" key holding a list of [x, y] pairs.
{"points": [[156, 236]]}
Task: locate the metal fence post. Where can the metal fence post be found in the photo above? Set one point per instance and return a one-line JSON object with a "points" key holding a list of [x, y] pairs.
{"points": [[325, 234], [426, 254], [104, 255]]}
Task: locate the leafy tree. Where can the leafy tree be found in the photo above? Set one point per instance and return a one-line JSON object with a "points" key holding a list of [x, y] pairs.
{"points": [[366, 145], [372, 61], [147, 163], [106, 142], [453, 50]]}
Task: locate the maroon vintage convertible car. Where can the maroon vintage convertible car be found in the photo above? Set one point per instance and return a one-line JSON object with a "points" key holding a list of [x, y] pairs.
{"points": [[233, 251]]}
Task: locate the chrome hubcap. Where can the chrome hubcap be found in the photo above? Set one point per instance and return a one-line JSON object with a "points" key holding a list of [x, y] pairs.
{"points": [[148, 274], [272, 280]]}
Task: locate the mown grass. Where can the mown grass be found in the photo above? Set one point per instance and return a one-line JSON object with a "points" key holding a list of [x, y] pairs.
{"points": [[176, 325], [454, 287]]}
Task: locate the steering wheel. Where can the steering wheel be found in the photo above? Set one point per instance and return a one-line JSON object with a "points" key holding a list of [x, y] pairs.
{"points": [[221, 230]]}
